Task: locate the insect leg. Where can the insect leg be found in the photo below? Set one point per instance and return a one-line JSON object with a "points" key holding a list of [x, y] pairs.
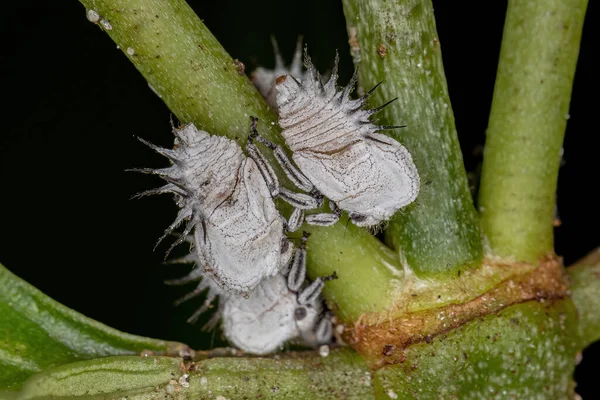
{"points": [[263, 166], [324, 330], [291, 171], [325, 219], [299, 200], [312, 291], [297, 273], [296, 220]]}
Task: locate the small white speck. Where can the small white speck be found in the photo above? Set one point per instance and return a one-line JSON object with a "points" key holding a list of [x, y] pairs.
{"points": [[324, 350], [154, 90], [130, 51], [105, 24], [184, 381], [222, 398], [118, 47], [339, 329], [567, 116], [392, 394], [419, 65], [203, 381], [272, 123], [93, 16], [170, 389]]}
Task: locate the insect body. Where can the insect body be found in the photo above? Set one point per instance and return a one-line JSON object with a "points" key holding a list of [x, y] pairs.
{"points": [[238, 232], [279, 309], [340, 152], [264, 79], [271, 316]]}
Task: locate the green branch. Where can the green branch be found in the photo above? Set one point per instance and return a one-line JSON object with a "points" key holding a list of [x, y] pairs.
{"points": [[185, 65], [584, 284], [188, 68], [397, 43], [340, 375], [527, 125]]}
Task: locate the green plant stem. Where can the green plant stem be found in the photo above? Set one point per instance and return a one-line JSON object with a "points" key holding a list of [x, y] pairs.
{"points": [[397, 43], [366, 269], [527, 125], [188, 68], [340, 375], [185, 65], [522, 352], [584, 284]]}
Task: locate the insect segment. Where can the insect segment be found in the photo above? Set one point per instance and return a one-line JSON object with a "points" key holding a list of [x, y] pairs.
{"points": [[237, 230], [300, 201], [339, 151], [264, 79], [282, 308]]}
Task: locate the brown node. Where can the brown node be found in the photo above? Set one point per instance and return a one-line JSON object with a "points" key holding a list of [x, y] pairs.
{"points": [[382, 340]]}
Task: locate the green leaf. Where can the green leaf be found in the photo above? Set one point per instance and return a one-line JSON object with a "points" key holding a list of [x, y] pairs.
{"points": [[36, 333]]}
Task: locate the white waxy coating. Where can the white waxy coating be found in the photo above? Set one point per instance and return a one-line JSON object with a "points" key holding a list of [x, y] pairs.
{"points": [[265, 320], [264, 79], [93, 16], [238, 232], [369, 175]]}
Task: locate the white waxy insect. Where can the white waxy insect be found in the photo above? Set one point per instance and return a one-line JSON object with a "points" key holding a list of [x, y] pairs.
{"points": [[339, 151], [274, 313], [270, 317], [238, 232], [264, 79]]}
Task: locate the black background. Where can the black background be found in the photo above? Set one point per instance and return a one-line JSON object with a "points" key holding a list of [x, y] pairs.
{"points": [[72, 104]]}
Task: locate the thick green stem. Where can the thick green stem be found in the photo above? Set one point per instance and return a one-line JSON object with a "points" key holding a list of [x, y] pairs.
{"points": [[397, 43], [527, 125], [185, 65], [584, 284], [366, 269], [188, 68], [340, 375]]}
